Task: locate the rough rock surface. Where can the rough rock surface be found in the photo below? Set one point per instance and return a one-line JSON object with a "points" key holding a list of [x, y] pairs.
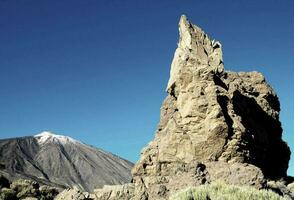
{"points": [[62, 162], [214, 125], [114, 192], [26, 189], [74, 194]]}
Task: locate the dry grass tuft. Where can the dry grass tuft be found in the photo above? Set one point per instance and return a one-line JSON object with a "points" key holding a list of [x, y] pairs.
{"points": [[221, 191]]}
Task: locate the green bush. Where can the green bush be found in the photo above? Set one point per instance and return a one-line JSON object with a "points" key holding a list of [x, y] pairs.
{"points": [[221, 191]]}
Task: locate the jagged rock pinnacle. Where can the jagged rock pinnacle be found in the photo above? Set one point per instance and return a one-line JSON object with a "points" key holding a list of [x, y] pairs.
{"points": [[195, 49], [214, 125]]}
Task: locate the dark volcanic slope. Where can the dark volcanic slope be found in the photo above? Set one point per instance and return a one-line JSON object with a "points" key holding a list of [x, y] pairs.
{"points": [[61, 161]]}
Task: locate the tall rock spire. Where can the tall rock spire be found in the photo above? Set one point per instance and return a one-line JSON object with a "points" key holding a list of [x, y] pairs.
{"points": [[194, 48], [214, 125]]}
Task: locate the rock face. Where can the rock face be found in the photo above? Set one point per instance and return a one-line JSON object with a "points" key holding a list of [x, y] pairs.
{"points": [[61, 162], [214, 125]]}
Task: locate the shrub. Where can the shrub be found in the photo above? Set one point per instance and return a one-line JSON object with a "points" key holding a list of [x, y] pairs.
{"points": [[221, 191]]}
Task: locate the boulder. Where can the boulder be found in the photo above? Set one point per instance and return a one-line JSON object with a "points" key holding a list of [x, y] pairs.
{"points": [[74, 194], [113, 192]]}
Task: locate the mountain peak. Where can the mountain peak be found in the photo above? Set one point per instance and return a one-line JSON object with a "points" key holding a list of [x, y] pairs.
{"points": [[46, 133], [47, 136], [62, 162]]}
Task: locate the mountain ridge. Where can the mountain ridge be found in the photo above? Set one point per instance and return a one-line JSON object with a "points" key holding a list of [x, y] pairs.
{"points": [[61, 161]]}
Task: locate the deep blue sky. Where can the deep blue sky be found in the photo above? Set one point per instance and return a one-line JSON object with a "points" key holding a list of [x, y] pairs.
{"points": [[97, 70]]}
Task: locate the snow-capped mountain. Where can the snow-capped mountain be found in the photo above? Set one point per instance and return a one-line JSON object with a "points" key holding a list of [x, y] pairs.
{"points": [[61, 161], [46, 136]]}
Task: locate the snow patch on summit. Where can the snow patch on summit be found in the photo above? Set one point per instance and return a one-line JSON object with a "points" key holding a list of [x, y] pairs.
{"points": [[46, 136]]}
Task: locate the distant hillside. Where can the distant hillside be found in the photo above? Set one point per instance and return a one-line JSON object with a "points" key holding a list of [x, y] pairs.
{"points": [[61, 161]]}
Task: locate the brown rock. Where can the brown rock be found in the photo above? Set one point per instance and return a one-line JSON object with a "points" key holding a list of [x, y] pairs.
{"points": [[74, 194], [113, 192], [227, 121], [215, 125]]}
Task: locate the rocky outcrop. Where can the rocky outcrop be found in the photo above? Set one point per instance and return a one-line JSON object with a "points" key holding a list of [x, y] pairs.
{"points": [[114, 192], [214, 124], [26, 189], [74, 194], [62, 162]]}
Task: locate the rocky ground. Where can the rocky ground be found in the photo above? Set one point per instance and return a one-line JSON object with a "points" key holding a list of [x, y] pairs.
{"points": [[25, 189]]}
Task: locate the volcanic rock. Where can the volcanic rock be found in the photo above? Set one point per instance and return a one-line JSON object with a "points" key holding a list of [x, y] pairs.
{"points": [[227, 122], [114, 192], [74, 194]]}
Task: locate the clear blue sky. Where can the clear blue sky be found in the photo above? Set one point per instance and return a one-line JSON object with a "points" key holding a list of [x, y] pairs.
{"points": [[96, 70]]}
